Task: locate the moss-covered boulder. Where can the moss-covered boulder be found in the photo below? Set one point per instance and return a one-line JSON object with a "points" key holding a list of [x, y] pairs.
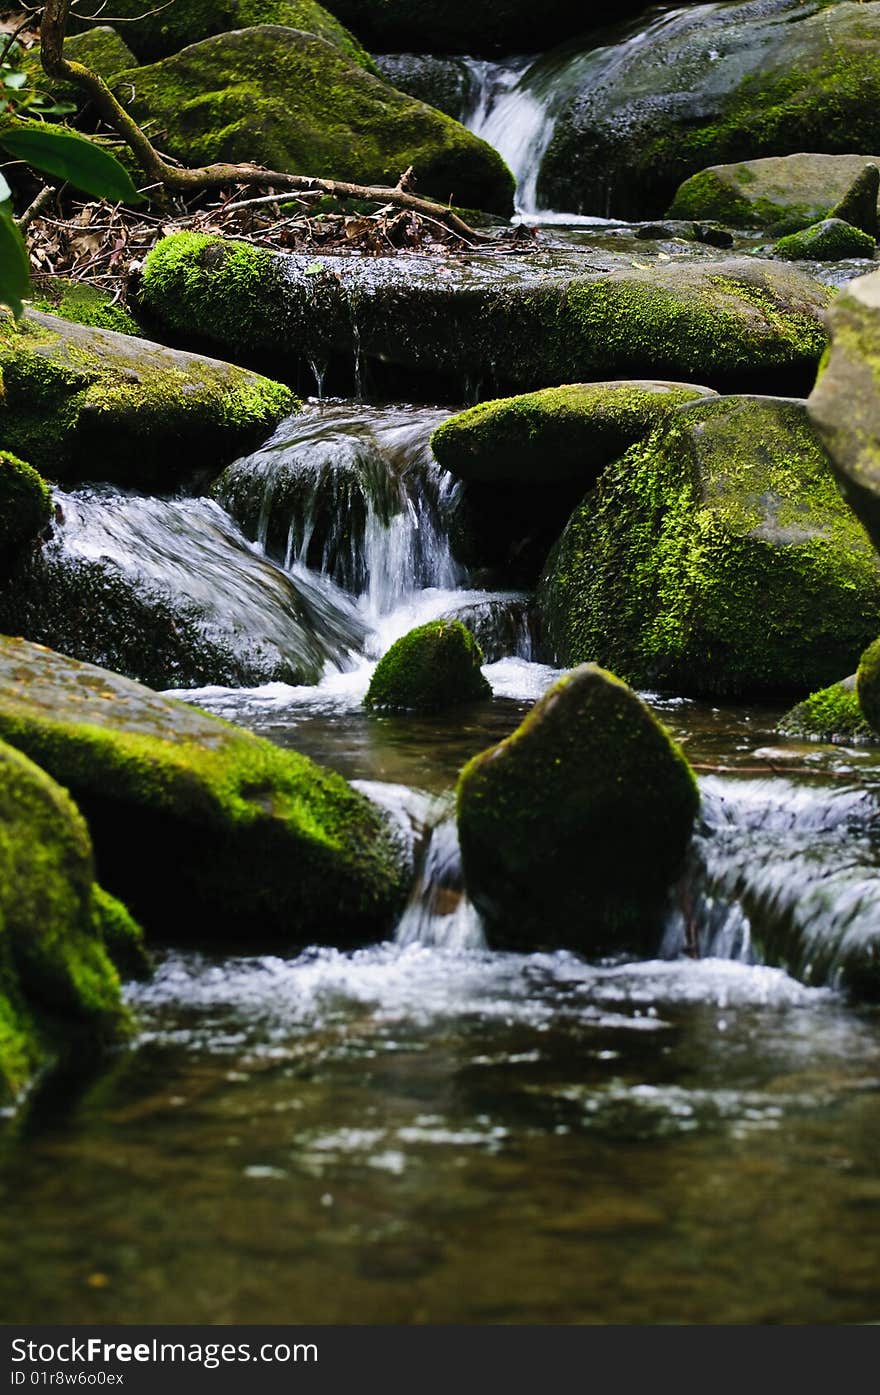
{"points": [[564, 433], [505, 322], [868, 685], [832, 240], [833, 714], [845, 403], [82, 303], [761, 78], [294, 102], [204, 830], [59, 991], [169, 28], [102, 49], [574, 829], [717, 558], [25, 506], [449, 84], [80, 402], [433, 667], [784, 193]]}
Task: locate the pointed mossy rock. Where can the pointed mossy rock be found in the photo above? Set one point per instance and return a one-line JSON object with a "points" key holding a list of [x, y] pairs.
{"points": [[859, 204], [505, 320], [59, 991], [574, 829], [204, 830], [833, 715], [717, 558], [762, 78], [296, 103], [25, 507], [433, 667], [782, 193], [80, 402], [169, 28], [832, 240], [868, 685], [844, 405], [565, 433]]}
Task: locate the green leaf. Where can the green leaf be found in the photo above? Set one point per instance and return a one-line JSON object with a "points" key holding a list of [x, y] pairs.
{"points": [[72, 157], [5, 191], [15, 281], [15, 80]]}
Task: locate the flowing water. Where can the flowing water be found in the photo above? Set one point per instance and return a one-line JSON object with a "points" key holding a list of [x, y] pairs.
{"points": [[428, 1131]]}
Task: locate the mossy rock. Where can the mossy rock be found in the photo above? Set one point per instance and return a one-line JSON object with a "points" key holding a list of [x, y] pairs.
{"points": [[845, 403], [82, 303], [782, 193], [743, 81], [449, 84], [204, 830], [297, 103], [832, 240], [574, 829], [717, 559], [25, 506], [868, 685], [564, 433], [101, 49], [80, 402], [59, 991], [833, 714], [515, 325], [173, 27], [433, 667]]}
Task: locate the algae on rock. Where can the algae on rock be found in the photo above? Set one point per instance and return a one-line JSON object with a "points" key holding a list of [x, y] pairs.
{"points": [[59, 991], [574, 829], [434, 666], [782, 193], [717, 559], [832, 240], [87, 403], [205, 830], [25, 506], [832, 714]]}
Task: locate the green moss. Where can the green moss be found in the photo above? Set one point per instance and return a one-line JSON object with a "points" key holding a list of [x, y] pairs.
{"points": [[562, 433], [298, 104], [832, 714], [72, 394], [434, 666], [204, 285], [122, 936], [25, 505], [173, 27], [574, 828], [868, 685], [200, 827], [829, 241], [83, 304], [717, 558], [58, 989]]}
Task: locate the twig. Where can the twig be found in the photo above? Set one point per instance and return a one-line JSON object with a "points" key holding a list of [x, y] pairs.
{"points": [[34, 209]]}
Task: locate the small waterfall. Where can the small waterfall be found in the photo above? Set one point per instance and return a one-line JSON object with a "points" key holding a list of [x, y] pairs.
{"points": [[516, 103], [169, 588], [356, 495], [439, 913]]}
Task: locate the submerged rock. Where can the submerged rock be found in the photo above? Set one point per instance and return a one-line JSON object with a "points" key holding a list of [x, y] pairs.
{"points": [[832, 240], [832, 714], [784, 193], [59, 991], [574, 829], [845, 403], [522, 323], [85, 403], [728, 84], [307, 108], [433, 667], [717, 559], [168, 592], [169, 28], [25, 507], [562, 433], [206, 831]]}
